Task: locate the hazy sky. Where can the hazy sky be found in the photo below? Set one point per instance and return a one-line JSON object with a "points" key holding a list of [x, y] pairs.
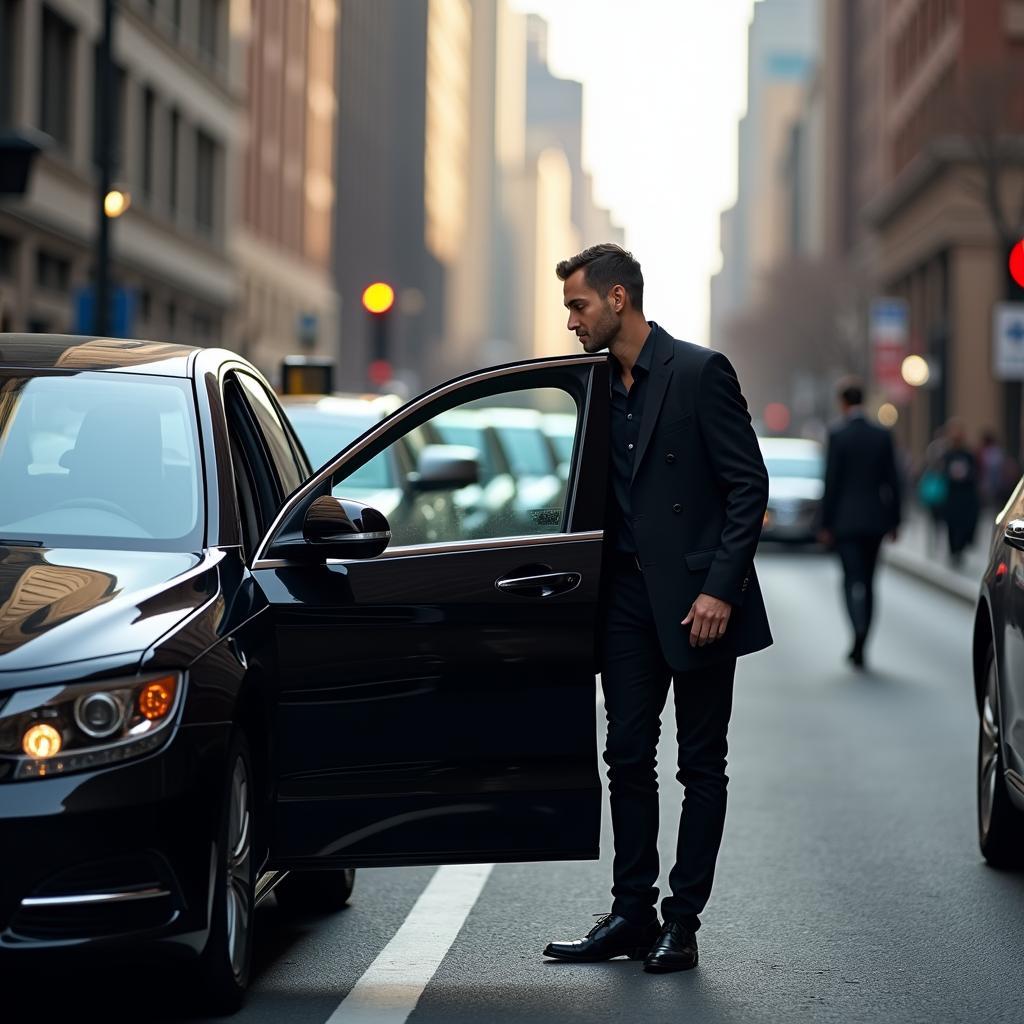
{"points": [[664, 85]]}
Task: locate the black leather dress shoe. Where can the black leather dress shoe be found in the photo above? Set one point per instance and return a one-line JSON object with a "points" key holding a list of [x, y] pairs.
{"points": [[612, 936], [675, 950]]}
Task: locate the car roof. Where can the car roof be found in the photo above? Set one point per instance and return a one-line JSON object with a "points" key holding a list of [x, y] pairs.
{"points": [[791, 447], [340, 404], [76, 352], [510, 416]]}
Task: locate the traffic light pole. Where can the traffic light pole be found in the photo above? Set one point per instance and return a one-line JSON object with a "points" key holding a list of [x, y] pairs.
{"points": [[105, 139]]}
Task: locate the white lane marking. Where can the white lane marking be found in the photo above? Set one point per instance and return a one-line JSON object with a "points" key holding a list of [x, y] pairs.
{"points": [[392, 985]]}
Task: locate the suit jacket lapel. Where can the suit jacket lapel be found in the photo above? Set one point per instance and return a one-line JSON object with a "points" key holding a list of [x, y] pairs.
{"points": [[657, 385]]}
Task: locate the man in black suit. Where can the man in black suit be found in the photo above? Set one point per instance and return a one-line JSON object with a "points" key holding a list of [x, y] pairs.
{"points": [[861, 505], [687, 496]]}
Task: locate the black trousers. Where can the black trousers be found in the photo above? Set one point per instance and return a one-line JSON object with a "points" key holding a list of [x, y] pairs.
{"points": [[635, 681], [859, 556]]}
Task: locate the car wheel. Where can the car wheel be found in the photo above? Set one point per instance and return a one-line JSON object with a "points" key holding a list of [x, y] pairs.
{"points": [[225, 963], [1000, 824], [310, 892]]}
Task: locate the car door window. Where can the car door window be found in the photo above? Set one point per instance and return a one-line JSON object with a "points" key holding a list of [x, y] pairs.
{"points": [[518, 492], [290, 470], [257, 490]]}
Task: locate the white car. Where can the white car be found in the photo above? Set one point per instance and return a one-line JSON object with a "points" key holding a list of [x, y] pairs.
{"points": [[796, 485]]}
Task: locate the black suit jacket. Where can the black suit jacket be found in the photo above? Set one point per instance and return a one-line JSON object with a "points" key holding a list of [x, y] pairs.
{"points": [[698, 493], [862, 485]]}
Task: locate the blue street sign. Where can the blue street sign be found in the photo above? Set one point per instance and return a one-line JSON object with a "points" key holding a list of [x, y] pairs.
{"points": [[122, 312]]}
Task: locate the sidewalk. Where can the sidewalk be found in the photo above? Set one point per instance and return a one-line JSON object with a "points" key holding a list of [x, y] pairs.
{"points": [[922, 551]]}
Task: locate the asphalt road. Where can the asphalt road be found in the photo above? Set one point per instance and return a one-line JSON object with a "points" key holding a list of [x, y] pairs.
{"points": [[849, 886]]}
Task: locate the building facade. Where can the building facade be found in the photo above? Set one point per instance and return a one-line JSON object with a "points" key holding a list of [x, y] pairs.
{"points": [[285, 205], [931, 87], [178, 84]]}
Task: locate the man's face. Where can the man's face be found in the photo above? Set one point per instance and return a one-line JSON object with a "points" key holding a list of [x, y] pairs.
{"points": [[592, 319]]}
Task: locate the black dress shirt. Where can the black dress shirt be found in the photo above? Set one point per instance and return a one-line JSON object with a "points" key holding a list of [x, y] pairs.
{"points": [[627, 409]]}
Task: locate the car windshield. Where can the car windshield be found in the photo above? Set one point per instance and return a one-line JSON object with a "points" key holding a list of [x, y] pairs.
{"points": [[100, 460], [804, 469], [324, 434]]}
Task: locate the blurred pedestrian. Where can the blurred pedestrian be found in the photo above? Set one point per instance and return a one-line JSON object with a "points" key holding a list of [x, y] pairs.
{"points": [[962, 504], [931, 488], [860, 506], [681, 601], [997, 473]]}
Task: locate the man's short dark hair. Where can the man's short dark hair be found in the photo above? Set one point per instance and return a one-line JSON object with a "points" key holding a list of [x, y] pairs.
{"points": [[605, 266], [851, 390]]}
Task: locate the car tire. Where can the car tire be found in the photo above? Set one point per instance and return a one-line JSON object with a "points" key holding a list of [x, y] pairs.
{"points": [[224, 966], [312, 892], [1000, 823]]}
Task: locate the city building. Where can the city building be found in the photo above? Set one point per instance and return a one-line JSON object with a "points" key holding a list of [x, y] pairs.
{"points": [[403, 158], [284, 245], [783, 49], [178, 82], [923, 90]]}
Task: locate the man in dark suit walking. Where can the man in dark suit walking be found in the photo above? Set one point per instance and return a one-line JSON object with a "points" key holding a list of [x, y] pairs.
{"points": [[861, 505], [688, 491]]}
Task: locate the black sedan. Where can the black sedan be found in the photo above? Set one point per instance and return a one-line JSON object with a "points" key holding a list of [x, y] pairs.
{"points": [[999, 691], [216, 675]]}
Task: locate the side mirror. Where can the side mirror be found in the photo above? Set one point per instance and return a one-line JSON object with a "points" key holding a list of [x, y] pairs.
{"points": [[343, 528], [446, 467], [1014, 534]]}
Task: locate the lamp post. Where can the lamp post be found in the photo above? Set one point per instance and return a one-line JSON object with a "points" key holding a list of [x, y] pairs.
{"points": [[105, 112]]}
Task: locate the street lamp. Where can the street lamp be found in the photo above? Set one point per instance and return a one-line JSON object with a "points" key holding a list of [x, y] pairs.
{"points": [[105, 191], [916, 371], [115, 202]]}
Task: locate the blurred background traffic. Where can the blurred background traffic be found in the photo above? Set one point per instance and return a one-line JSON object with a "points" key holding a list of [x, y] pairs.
{"points": [[381, 189]]}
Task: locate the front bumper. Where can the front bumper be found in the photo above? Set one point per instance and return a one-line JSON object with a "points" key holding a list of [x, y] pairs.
{"points": [[118, 856]]}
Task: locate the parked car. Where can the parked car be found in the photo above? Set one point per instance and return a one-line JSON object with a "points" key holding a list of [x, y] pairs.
{"points": [[560, 428], [998, 659], [415, 483], [796, 485], [540, 488], [490, 505], [217, 677]]}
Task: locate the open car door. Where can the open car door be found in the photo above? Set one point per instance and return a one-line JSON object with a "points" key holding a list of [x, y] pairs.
{"points": [[436, 702]]}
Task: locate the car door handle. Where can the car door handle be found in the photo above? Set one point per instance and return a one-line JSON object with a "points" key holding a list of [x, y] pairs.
{"points": [[545, 585]]}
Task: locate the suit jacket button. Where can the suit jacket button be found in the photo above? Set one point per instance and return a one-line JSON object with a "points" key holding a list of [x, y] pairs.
{"points": [[669, 457], [677, 508]]}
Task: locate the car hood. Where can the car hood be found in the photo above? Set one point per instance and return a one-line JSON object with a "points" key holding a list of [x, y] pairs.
{"points": [[790, 488], [60, 605]]}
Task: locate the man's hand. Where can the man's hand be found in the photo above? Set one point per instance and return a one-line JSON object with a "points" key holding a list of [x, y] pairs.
{"points": [[708, 618]]}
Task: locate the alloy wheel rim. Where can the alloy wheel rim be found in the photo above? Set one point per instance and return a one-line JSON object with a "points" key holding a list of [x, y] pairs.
{"points": [[238, 876], [988, 753]]}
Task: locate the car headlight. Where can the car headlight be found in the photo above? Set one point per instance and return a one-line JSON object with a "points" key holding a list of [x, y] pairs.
{"points": [[53, 730]]}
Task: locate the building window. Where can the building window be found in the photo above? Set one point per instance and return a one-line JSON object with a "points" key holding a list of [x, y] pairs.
{"points": [[6, 257], [206, 166], [172, 160], [56, 74], [7, 69], [209, 29], [53, 272], [172, 319], [146, 163], [176, 16], [117, 79]]}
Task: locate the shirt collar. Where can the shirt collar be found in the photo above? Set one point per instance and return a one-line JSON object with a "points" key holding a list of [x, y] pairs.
{"points": [[646, 357]]}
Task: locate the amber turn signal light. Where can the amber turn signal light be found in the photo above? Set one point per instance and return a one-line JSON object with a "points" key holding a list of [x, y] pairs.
{"points": [[157, 698], [41, 740]]}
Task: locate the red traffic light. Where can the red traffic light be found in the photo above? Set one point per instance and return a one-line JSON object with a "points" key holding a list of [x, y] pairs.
{"points": [[380, 372], [378, 297]]}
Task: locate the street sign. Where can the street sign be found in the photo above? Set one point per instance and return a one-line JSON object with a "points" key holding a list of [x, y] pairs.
{"points": [[889, 330], [1008, 341], [122, 312]]}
